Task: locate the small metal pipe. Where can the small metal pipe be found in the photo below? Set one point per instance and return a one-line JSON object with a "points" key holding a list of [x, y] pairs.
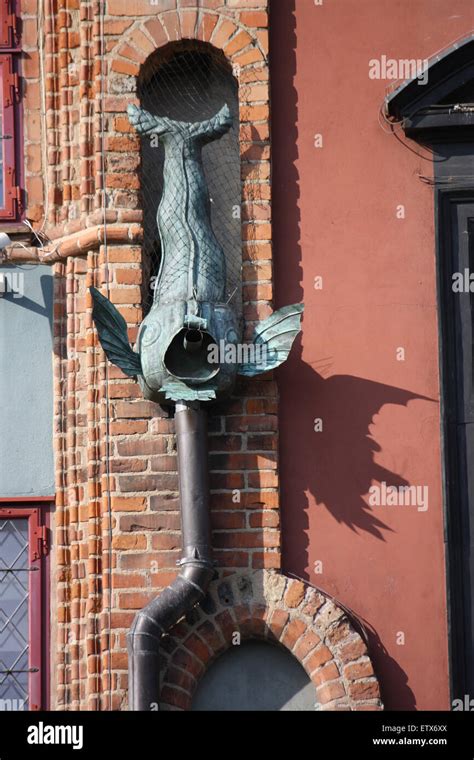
{"points": [[197, 568], [192, 341]]}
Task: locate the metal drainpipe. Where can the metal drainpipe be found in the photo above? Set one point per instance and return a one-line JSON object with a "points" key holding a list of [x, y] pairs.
{"points": [[197, 568]]}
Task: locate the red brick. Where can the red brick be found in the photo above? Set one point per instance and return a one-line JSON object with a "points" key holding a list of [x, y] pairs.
{"points": [[155, 521], [293, 631], [188, 21], [309, 641], [226, 624], [356, 670], [198, 648], [330, 691], [364, 690], [166, 541], [266, 519], [257, 423], [129, 542], [229, 480], [116, 28], [294, 593], [164, 502], [163, 464], [143, 561], [231, 559], [270, 560], [127, 465], [122, 124], [262, 480], [227, 520], [121, 619], [251, 56], [178, 677], [128, 504], [277, 622], [238, 42], [245, 539], [211, 636], [142, 43], [223, 33], [130, 254], [139, 447], [185, 660], [121, 144], [128, 276], [125, 8], [134, 410], [119, 660], [175, 697], [125, 67], [254, 18], [128, 580], [326, 674], [163, 578], [352, 651], [156, 31], [135, 600], [208, 24], [172, 25], [318, 658]]}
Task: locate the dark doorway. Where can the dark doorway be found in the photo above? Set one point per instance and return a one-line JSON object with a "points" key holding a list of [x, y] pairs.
{"points": [[456, 251]]}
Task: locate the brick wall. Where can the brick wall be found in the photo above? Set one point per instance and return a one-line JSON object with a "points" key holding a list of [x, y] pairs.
{"points": [[117, 525]]}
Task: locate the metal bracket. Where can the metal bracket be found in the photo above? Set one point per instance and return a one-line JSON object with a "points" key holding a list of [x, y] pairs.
{"points": [[193, 322], [41, 535]]}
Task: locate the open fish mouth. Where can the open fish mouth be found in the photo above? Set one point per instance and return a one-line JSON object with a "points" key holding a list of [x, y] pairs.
{"points": [[187, 356]]}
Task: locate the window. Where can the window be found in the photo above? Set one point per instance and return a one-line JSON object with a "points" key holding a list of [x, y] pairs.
{"points": [[23, 548], [9, 113]]}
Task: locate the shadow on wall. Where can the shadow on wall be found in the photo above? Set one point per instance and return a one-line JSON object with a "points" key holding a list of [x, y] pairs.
{"points": [[392, 672], [350, 402], [16, 291]]}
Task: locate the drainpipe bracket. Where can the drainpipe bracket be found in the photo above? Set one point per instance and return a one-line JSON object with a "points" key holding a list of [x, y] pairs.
{"points": [[201, 563]]}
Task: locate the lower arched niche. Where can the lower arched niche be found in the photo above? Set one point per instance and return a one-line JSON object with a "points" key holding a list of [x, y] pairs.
{"points": [[257, 676], [263, 607]]}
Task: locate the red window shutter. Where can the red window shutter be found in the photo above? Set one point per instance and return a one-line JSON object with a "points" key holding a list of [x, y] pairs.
{"points": [[9, 196], [8, 24]]}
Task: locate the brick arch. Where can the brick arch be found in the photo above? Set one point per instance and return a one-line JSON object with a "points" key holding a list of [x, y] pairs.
{"points": [[240, 44], [267, 606]]}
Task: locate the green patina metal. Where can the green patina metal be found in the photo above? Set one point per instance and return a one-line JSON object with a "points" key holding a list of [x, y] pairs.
{"points": [[189, 319]]}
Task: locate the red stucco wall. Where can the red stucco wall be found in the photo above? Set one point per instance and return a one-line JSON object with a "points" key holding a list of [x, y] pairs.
{"points": [[335, 216]]}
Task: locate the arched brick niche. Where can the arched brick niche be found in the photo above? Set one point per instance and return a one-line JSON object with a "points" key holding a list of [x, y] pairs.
{"points": [[267, 606], [242, 40]]}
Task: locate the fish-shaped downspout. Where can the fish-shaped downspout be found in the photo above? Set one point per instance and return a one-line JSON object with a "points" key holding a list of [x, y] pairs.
{"points": [[189, 345], [193, 263], [189, 319]]}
